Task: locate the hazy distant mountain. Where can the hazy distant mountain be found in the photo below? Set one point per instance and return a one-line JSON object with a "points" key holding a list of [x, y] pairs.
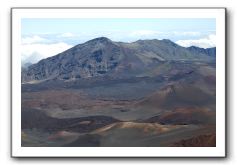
{"points": [[101, 56], [26, 65]]}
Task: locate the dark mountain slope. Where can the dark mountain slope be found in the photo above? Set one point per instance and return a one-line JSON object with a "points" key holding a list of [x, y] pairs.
{"points": [[101, 56], [209, 51], [167, 50]]}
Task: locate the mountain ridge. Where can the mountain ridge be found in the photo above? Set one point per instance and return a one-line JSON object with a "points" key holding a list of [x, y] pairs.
{"points": [[102, 56]]}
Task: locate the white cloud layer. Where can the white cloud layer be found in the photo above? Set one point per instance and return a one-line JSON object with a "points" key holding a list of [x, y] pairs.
{"points": [[207, 42], [32, 39], [34, 52], [189, 33]]}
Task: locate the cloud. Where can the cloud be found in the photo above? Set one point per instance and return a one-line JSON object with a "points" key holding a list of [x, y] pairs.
{"points": [[190, 33], [207, 42], [34, 52], [65, 35], [32, 39]]}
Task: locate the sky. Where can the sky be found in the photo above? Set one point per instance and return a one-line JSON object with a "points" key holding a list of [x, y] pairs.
{"points": [[45, 37]]}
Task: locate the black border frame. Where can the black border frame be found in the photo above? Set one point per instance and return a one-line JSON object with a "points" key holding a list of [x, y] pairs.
{"points": [[124, 157]]}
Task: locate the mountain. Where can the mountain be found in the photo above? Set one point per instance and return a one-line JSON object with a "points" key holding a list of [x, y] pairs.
{"points": [[208, 51], [101, 56]]}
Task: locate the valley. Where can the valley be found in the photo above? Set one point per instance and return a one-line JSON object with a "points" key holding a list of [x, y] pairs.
{"points": [[149, 93]]}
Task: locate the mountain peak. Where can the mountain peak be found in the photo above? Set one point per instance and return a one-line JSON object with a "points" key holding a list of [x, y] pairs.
{"points": [[169, 42], [166, 40], [100, 39], [195, 48]]}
